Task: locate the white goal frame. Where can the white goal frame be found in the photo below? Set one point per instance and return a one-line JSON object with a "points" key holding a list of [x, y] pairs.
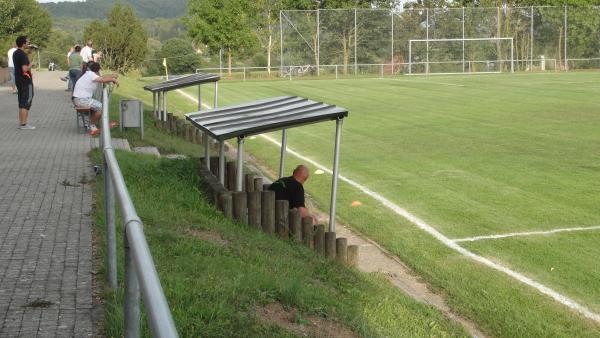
{"points": [[427, 62]]}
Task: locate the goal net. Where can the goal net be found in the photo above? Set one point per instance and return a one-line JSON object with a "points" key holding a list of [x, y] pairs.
{"points": [[458, 56]]}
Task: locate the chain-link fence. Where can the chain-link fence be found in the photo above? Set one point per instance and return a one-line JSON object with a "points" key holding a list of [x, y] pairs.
{"points": [[438, 40]]}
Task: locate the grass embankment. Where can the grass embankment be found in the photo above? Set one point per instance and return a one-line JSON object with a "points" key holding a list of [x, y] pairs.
{"points": [[469, 161], [216, 273]]}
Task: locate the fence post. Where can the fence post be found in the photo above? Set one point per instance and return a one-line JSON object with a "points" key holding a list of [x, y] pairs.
{"points": [[352, 253], [132, 293], [111, 236], [341, 245], [330, 245], [249, 184], [307, 229], [319, 238], [267, 211], [258, 184], [230, 175], [225, 201]]}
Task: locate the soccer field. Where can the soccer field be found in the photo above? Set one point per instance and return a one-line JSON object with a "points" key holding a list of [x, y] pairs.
{"points": [[494, 163]]}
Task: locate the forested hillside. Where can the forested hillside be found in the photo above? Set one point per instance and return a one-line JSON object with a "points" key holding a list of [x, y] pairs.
{"points": [[97, 9]]}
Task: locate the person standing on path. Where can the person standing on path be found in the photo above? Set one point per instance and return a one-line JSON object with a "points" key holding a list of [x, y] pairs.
{"points": [[75, 62], [11, 68], [24, 82]]}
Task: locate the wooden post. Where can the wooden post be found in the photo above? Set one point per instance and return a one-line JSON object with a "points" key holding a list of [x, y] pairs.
{"points": [[198, 136], [307, 229], [281, 219], [193, 135], [249, 184], [267, 211], [214, 166], [188, 132], [258, 184], [330, 245], [173, 124], [180, 125], [352, 255], [240, 207], [341, 253], [319, 239], [169, 117], [230, 175], [266, 187], [254, 209], [225, 204], [295, 223]]}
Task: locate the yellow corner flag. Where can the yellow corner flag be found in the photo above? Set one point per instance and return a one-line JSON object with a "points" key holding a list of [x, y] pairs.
{"points": [[166, 69]]}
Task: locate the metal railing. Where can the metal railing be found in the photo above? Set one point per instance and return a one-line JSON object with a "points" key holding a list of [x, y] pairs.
{"points": [[139, 266]]}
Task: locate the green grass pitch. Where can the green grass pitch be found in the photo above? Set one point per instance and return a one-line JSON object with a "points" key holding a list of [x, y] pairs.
{"points": [[472, 156]]}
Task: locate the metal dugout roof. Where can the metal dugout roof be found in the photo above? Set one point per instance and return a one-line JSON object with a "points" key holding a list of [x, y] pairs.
{"points": [[181, 82], [257, 117], [262, 116]]}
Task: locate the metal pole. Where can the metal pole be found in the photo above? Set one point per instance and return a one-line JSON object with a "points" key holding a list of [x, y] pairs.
{"points": [[154, 103], [427, 32], [142, 120], [206, 150], [392, 43], [531, 42], [158, 106], [221, 62], [282, 153], [355, 45], [566, 37], [132, 294], [409, 57], [240, 164], [280, 42], [463, 42], [199, 97], [109, 206], [222, 162], [336, 72], [216, 97], [336, 170], [40, 60], [165, 110], [318, 43], [512, 56]]}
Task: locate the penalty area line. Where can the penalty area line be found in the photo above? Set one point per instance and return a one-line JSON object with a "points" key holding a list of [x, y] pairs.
{"points": [[526, 233], [568, 302]]}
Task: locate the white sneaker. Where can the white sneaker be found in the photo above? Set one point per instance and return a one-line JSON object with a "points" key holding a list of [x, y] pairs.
{"points": [[27, 127]]}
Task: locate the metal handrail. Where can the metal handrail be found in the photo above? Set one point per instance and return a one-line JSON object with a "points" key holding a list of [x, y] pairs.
{"points": [[139, 265]]}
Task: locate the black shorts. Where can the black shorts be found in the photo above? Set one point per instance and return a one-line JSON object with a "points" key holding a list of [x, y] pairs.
{"points": [[25, 94]]}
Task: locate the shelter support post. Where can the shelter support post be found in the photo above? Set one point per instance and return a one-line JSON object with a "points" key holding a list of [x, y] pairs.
{"points": [[222, 162], [240, 164], [158, 106], [206, 150], [165, 111], [154, 103], [199, 97], [216, 103], [282, 154], [336, 169]]}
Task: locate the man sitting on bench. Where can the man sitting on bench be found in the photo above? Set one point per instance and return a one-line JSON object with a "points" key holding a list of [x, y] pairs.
{"points": [[84, 91]]}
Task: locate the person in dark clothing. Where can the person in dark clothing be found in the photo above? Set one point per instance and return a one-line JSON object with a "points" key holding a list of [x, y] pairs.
{"points": [[291, 189], [23, 82]]}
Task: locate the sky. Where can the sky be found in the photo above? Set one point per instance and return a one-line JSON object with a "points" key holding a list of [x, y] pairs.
{"points": [[45, 1]]}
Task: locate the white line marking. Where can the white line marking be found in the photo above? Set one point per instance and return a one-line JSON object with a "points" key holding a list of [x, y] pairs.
{"points": [[527, 233], [417, 81], [439, 236]]}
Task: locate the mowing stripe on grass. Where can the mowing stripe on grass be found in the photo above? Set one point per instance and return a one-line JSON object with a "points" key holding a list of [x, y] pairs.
{"points": [[427, 81], [438, 235], [527, 233]]}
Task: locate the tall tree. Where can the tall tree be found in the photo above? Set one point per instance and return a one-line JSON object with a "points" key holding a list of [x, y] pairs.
{"points": [[222, 24], [121, 39], [23, 17]]}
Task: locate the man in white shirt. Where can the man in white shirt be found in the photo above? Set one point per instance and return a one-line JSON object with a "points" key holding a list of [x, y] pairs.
{"points": [[86, 52], [84, 91], [11, 68]]}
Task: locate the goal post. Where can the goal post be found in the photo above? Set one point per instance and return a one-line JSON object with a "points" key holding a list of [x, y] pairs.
{"points": [[461, 55]]}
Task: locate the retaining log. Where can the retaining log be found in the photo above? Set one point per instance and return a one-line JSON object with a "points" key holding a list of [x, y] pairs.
{"points": [[352, 258], [230, 175], [225, 206], [240, 207], [282, 210], [295, 223], [249, 183], [341, 253], [254, 204], [330, 245], [258, 184], [307, 232], [267, 211], [319, 238]]}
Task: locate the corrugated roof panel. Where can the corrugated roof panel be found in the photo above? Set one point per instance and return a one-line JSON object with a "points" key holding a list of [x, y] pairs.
{"points": [[183, 81], [265, 115]]}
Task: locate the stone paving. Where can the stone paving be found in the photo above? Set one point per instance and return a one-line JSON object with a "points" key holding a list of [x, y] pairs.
{"points": [[45, 223]]}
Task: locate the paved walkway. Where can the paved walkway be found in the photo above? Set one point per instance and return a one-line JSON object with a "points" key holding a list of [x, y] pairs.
{"points": [[45, 223]]}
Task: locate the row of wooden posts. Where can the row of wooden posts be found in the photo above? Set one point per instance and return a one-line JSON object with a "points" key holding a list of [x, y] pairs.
{"points": [[256, 205]]}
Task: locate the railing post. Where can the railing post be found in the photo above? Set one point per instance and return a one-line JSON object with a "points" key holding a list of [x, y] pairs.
{"points": [[109, 201], [132, 293]]}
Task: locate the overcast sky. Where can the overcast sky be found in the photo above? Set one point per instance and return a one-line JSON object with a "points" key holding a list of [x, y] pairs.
{"points": [[57, 0]]}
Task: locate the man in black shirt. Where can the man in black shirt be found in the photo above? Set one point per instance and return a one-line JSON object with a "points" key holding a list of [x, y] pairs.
{"points": [[291, 189], [24, 82]]}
